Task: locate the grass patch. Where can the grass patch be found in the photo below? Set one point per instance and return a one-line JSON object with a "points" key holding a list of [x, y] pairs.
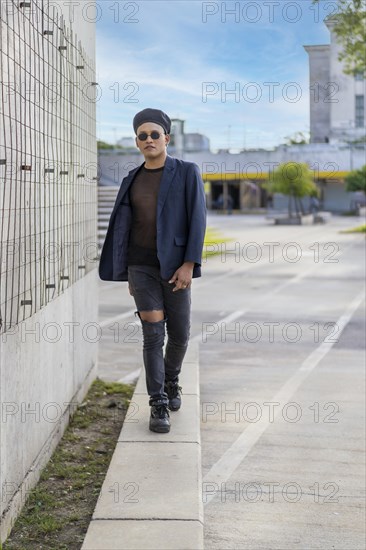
{"points": [[358, 229], [211, 245], [57, 512]]}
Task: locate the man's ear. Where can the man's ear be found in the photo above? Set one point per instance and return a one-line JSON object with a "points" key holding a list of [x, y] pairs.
{"points": [[136, 143], [167, 139]]}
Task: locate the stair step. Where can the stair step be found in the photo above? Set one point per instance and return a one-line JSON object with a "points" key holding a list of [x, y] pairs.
{"points": [[106, 201]]}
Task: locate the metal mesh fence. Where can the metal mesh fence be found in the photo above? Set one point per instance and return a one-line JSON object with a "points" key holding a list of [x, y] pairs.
{"points": [[48, 163]]}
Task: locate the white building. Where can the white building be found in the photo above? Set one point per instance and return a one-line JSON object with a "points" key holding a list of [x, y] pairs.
{"points": [[337, 100], [127, 143]]}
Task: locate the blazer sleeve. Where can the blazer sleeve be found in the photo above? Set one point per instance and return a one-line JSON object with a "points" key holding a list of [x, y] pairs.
{"points": [[196, 213]]}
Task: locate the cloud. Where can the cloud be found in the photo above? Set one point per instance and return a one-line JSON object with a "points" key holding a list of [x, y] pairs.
{"points": [[166, 58]]}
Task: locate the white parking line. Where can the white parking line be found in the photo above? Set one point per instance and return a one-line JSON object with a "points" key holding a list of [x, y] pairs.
{"points": [[111, 320], [222, 470], [262, 298]]}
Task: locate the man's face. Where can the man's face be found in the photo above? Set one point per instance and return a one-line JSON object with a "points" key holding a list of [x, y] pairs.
{"points": [[152, 148]]}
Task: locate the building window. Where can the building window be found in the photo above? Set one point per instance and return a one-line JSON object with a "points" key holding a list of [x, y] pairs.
{"points": [[360, 111], [359, 75]]}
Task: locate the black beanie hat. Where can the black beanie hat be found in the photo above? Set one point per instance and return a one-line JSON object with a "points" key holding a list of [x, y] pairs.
{"points": [[152, 115]]}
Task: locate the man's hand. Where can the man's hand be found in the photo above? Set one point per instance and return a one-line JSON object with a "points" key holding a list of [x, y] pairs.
{"points": [[183, 276]]}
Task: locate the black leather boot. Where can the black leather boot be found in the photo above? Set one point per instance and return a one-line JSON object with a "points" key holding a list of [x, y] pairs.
{"points": [[159, 416], [174, 390]]}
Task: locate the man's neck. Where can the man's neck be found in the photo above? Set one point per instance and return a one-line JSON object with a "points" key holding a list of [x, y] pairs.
{"points": [[156, 162]]}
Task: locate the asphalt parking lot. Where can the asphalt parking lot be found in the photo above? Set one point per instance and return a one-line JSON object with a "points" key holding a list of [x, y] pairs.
{"points": [[279, 316]]}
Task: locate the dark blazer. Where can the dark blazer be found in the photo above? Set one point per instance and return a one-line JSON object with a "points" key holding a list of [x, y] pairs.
{"points": [[180, 220]]}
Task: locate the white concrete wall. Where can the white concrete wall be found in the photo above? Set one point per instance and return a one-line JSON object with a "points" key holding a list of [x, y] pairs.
{"points": [[332, 93], [343, 93], [49, 344], [79, 16], [319, 80], [46, 369]]}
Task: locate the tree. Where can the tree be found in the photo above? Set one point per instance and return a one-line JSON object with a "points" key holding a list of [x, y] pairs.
{"points": [[104, 145], [298, 138], [356, 180], [294, 179], [350, 29]]}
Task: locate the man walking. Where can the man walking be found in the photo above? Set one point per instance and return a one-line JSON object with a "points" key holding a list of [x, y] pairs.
{"points": [[154, 241]]}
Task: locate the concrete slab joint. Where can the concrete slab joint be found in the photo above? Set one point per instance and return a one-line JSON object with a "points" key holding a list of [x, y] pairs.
{"points": [[151, 496]]}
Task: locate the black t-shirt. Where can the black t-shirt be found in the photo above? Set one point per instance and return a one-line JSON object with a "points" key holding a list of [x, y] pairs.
{"points": [[143, 198]]}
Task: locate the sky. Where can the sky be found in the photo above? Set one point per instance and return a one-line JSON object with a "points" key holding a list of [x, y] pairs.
{"points": [[236, 72]]}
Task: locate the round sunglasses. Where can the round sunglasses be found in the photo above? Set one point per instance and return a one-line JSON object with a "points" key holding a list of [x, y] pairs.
{"points": [[154, 135]]}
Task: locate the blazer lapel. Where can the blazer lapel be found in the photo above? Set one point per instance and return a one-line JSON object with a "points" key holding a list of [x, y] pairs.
{"points": [[166, 181]]}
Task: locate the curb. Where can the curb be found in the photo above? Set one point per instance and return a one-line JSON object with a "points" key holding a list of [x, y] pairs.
{"points": [[151, 497]]}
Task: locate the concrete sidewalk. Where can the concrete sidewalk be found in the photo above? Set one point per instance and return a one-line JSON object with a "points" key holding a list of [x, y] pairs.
{"points": [[151, 496]]}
